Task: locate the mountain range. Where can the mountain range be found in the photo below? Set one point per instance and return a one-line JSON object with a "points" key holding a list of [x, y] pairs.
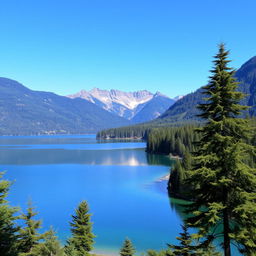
{"points": [[139, 106], [27, 112], [184, 110]]}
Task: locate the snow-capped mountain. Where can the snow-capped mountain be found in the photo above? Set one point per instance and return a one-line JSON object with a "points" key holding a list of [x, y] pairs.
{"points": [[128, 104]]}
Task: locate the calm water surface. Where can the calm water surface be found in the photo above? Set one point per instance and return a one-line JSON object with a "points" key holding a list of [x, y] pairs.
{"points": [[118, 179]]}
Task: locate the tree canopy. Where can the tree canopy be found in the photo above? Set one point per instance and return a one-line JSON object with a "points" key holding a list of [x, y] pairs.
{"points": [[223, 183]]}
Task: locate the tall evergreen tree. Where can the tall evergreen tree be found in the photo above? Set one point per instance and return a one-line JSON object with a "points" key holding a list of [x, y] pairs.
{"points": [[224, 185], [127, 248], [8, 229], [29, 236], [81, 229]]}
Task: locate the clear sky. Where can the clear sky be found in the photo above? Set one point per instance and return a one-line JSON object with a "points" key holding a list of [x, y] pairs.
{"points": [[159, 45]]}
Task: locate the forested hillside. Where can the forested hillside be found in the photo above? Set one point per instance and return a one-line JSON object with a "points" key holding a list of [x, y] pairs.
{"points": [[27, 112], [185, 109], [173, 140]]}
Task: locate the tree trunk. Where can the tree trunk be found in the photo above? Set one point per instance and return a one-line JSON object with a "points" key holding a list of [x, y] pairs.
{"points": [[227, 251]]}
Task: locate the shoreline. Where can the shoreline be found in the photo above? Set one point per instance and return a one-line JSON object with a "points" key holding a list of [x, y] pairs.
{"points": [[163, 178], [117, 138], [103, 252]]}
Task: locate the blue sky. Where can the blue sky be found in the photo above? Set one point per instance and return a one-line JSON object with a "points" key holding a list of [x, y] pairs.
{"points": [[159, 45]]}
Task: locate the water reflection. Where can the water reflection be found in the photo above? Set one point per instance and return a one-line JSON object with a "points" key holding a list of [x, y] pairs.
{"points": [[81, 149], [159, 160], [178, 205], [59, 139], [46, 139], [127, 157]]}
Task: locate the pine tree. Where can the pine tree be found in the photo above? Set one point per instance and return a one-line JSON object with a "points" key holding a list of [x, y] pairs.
{"points": [[224, 185], [81, 229], [8, 229], [29, 236], [159, 253], [190, 247], [70, 249], [185, 248], [177, 181], [187, 161], [175, 178], [208, 251], [127, 248], [49, 247]]}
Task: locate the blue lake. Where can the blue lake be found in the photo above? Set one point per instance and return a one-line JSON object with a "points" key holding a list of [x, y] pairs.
{"points": [[118, 180]]}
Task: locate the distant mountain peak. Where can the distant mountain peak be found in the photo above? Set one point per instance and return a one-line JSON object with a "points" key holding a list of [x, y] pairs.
{"points": [[25, 112], [124, 104], [157, 94], [129, 100]]}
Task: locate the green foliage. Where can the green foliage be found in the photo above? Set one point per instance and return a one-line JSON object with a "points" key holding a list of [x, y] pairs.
{"points": [[159, 253], [223, 183], [8, 229], [177, 184], [29, 237], [81, 242], [190, 247], [49, 247], [185, 248], [132, 132], [176, 179], [127, 248], [142, 131], [172, 140], [208, 251], [160, 140], [70, 249]]}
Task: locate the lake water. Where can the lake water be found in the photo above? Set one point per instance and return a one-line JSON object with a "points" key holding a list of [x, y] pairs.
{"points": [[118, 180]]}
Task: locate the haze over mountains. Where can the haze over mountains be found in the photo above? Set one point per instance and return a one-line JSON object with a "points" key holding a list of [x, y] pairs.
{"points": [[139, 106]]}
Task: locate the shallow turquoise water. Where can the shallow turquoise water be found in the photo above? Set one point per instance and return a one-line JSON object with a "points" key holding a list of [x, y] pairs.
{"points": [[118, 179]]}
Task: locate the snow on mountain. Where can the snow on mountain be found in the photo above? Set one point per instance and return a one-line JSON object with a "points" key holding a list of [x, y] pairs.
{"points": [[124, 104], [128, 99]]}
